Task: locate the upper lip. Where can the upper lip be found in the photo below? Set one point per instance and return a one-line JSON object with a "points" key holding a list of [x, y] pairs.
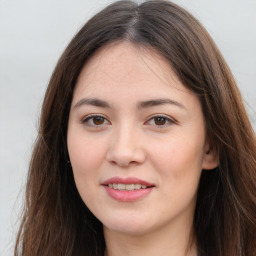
{"points": [[128, 180]]}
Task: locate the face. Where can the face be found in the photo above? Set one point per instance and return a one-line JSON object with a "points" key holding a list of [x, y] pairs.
{"points": [[136, 140]]}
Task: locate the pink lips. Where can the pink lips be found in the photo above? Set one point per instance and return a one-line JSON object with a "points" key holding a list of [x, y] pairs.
{"points": [[127, 195]]}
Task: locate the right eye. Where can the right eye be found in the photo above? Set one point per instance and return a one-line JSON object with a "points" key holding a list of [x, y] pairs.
{"points": [[95, 120]]}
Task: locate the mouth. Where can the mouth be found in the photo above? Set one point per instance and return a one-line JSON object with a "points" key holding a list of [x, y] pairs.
{"points": [[127, 187], [127, 190]]}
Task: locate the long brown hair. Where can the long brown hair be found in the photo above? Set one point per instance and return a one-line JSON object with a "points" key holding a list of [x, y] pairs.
{"points": [[55, 219]]}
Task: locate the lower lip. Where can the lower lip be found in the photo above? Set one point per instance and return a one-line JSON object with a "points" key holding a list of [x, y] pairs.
{"points": [[128, 196]]}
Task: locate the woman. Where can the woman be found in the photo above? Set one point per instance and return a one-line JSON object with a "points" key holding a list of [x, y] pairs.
{"points": [[144, 144]]}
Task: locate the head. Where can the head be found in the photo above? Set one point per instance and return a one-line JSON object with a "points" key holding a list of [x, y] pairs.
{"points": [[222, 204]]}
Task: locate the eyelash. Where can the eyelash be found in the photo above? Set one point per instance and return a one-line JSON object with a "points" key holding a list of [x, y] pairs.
{"points": [[90, 118], [165, 118], [168, 120]]}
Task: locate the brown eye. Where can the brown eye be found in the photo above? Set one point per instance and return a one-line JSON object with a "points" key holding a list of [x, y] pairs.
{"points": [[95, 120], [98, 120], [159, 120]]}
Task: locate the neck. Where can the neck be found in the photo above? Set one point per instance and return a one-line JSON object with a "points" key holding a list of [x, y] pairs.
{"points": [[165, 241]]}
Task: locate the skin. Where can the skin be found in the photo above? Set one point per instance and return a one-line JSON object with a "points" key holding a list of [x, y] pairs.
{"points": [[129, 141]]}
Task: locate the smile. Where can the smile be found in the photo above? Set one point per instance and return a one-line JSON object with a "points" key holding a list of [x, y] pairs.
{"points": [[129, 187]]}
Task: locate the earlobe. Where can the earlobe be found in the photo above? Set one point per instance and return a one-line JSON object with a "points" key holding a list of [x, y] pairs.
{"points": [[211, 158]]}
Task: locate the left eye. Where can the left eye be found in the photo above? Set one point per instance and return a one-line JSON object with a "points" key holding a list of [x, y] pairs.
{"points": [[95, 120], [160, 121]]}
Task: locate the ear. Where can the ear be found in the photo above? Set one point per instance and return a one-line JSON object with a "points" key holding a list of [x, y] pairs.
{"points": [[211, 157]]}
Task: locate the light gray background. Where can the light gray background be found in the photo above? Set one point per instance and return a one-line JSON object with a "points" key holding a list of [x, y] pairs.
{"points": [[34, 33]]}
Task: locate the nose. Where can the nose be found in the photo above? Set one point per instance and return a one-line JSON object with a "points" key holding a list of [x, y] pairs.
{"points": [[126, 149]]}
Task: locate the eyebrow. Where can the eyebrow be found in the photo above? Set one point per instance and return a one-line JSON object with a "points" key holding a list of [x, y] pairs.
{"points": [[143, 104], [157, 102], [93, 102]]}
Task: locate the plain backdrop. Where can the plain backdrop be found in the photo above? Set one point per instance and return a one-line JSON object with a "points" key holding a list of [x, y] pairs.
{"points": [[34, 33]]}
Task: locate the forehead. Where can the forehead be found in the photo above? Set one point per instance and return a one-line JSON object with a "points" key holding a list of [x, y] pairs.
{"points": [[127, 63], [123, 72]]}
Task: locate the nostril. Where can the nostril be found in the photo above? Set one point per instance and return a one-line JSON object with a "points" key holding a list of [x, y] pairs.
{"points": [[124, 164], [125, 156]]}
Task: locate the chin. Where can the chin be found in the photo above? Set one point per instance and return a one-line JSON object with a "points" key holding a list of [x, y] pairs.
{"points": [[129, 226]]}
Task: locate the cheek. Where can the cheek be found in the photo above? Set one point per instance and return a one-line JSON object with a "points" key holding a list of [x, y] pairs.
{"points": [[85, 154], [86, 159], [179, 158]]}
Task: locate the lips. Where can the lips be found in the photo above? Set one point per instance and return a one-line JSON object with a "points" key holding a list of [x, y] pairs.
{"points": [[127, 189], [129, 180]]}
